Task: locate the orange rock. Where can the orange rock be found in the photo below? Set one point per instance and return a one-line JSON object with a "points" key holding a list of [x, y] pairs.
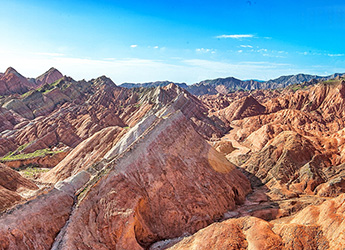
{"points": [[167, 183], [11, 184]]}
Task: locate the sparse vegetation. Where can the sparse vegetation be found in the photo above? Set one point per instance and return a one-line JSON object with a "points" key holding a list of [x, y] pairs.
{"points": [[331, 81], [27, 93], [49, 87], [32, 172], [12, 156]]}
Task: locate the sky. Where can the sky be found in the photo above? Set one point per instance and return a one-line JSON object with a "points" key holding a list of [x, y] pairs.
{"points": [[181, 41]]}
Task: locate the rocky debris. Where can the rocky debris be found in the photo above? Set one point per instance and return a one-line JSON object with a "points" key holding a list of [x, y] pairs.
{"points": [[224, 147], [162, 186]]}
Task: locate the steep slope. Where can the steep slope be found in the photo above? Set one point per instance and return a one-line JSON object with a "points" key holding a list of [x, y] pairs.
{"points": [[48, 77], [153, 189], [156, 189], [315, 227], [11, 184], [11, 82], [245, 107], [88, 152], [35, 224]]}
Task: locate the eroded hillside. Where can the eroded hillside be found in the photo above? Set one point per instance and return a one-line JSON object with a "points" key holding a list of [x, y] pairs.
{"points": [[91, 165]]}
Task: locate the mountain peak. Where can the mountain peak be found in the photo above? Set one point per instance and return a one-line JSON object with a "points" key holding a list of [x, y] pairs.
{"points": [[49, 76], [11, 70], [103, 80]]}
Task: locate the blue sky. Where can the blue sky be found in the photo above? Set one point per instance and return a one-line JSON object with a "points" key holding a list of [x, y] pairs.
{"points": [[181, 41]]}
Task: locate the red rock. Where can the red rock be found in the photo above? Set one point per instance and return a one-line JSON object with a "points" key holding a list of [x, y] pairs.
{"points": [[12, 82], [13, 181], [155, 189], [48, 161], [315, 227], [245, 107], [49, 77], [85, 154], [11, 184], [35, 224]]}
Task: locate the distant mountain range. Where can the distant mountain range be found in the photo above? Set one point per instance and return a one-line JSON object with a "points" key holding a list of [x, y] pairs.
{"points": [[230, 84], [12, 82]]}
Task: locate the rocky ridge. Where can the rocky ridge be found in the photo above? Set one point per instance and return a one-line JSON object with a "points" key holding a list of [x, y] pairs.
{"points": [[158, 168], [231, 84]]}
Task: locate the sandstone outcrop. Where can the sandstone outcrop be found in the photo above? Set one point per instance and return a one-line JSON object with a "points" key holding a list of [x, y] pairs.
{"points": [[11, 82], [156, 189], [35, 224], [85, 154], [315, 227], [11, 184], [146, 167], [49, 77]]}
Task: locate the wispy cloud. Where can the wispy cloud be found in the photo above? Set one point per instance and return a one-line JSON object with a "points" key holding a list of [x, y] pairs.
{"points": [[155, 47], [320, 53], [208, 69], [134, 46], [48, 54], [237, 36], [203, 50], [332, 55], [246, 46]]}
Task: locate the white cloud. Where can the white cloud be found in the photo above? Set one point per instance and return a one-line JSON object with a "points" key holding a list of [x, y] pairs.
{"points": [[203, 50], [145, 70], [48, 54], [262, 50], [155, 47], [246, 46], [238, 36], [332, 55], [240, 51], [134, 46]]}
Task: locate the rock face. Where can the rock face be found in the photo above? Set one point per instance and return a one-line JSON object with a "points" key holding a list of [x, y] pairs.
{"points": [[146, 167], [49, 77], [35, 224], [11, 184], [156, 189], [315, 227], [47, 161], [85, 154], [245, 107], [11, 82], [281, 159]]}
